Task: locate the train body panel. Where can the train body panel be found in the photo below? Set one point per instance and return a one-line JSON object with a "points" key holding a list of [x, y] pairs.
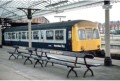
{"points": [[69, 36]]}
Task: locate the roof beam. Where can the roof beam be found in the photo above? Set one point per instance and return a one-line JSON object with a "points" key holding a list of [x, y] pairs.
{"points": [[1, 6], [10, 12]]}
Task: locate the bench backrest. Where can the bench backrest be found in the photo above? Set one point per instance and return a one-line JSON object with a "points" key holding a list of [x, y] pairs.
{"points": [[31, 49], [24, 49], [15, 46], [78, 55], [67, 53]]}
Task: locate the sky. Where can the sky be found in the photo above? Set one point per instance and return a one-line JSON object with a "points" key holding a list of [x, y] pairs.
{"points": [[95, 14]]}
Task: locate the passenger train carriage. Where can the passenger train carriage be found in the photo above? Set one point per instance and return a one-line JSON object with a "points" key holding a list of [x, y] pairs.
{"points": [[77, 35]]}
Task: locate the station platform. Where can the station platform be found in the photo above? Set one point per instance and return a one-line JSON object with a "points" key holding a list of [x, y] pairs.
{"points": [[16, 70]]}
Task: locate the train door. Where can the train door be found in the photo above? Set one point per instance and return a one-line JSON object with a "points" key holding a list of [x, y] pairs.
{"points": [[16, 38], [42, 33], [82, 38], [78, 39], [69, 39], [89, 42]]}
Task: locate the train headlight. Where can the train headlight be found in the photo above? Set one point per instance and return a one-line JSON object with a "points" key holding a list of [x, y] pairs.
{"points": [[82, 48], [98, 46]]}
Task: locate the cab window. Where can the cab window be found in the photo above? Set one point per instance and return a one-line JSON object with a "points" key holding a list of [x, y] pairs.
{"points": [[82, 35], [89, 35], [95, 34]]}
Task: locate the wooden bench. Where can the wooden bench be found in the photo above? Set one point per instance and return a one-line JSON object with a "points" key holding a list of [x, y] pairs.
{"points": [[25, 52], [45, 56], [14, 52], [32, 53], [65, 62]]}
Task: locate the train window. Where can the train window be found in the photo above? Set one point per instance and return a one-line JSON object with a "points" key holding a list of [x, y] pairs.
{"points": [[35, 35], [19, 35], [9, 35], [23, 35], [89, 35], [6, 35], [69, 35], [27, 35], [41, 34], [49, 35], [16, 35], [82, 34], [95, 34], [13, 35], [59, 35]]}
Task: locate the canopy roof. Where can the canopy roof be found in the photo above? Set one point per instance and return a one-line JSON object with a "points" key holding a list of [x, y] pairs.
{"points": [[9, 8]]}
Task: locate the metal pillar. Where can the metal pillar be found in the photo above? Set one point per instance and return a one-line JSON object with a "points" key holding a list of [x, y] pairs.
{"points": [[0, 36], [29, 16], [107, 60], [29, 32]]}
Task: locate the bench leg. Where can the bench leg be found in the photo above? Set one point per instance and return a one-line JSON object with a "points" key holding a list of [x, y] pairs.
{"points": [[38, 62], [52, 64], [27, 60], [46, 63], [89, 69], [11, 56], [72, 69]]}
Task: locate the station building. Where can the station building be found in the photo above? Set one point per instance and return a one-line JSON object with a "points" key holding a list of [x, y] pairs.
{"points": [[114, 25]]}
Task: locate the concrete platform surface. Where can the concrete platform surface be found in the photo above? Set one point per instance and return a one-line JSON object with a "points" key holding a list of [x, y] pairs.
{"points": [[16, 70]]}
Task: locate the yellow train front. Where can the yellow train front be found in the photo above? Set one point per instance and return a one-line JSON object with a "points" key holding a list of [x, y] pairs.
{"points": [[86, 38], [76, 35]]}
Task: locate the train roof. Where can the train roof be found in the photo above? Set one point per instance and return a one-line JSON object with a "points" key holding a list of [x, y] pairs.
{"points": [[64, 24]]}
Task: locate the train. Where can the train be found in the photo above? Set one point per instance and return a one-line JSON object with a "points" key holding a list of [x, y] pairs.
{"points": [[72, 35], [115, 32]]}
